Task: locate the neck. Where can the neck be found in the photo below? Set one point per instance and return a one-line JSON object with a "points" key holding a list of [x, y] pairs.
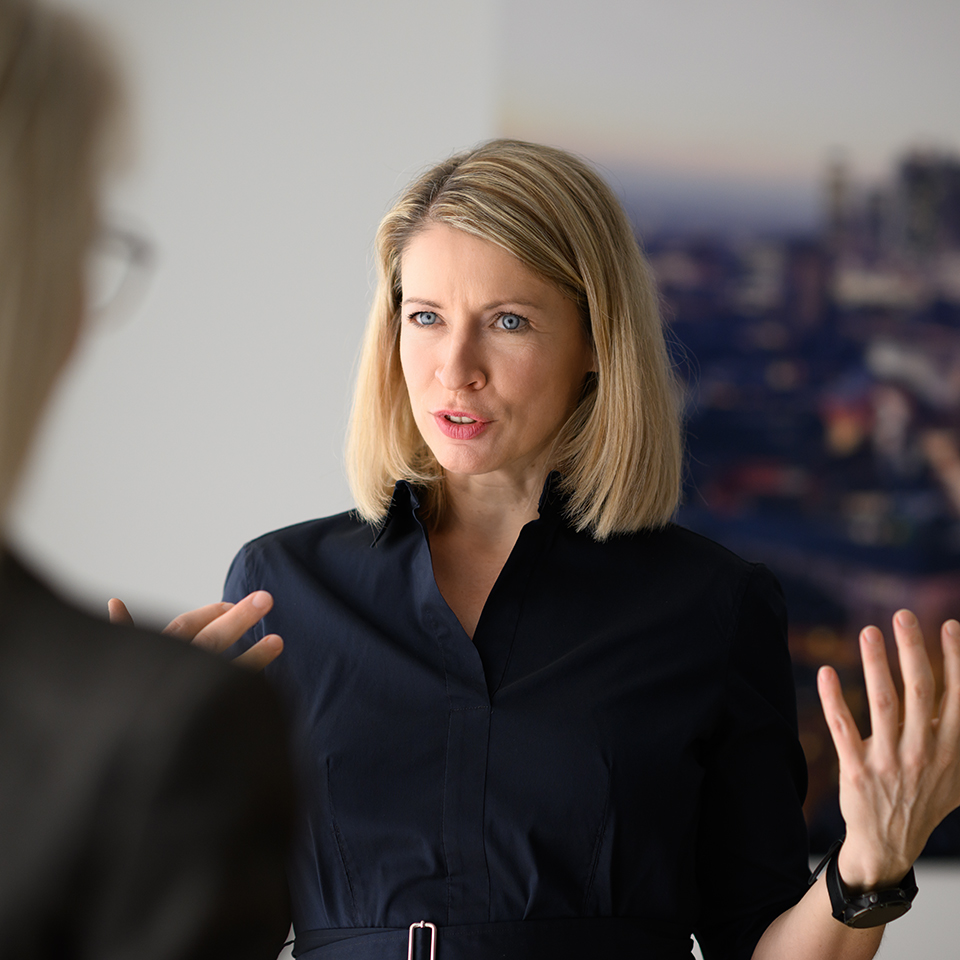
{"points": [[486, 509]]}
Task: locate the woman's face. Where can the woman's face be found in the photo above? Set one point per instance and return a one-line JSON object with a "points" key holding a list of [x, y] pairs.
{"points": [[494, 357]]}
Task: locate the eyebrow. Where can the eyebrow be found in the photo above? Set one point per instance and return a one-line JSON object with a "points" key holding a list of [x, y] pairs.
{"points": [[518, 302], [420, 302]]}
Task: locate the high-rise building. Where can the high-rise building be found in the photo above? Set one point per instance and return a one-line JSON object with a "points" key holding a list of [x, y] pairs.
{"points": [[929, 189]]}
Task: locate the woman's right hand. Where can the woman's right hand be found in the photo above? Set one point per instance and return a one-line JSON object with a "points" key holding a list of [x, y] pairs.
{"points": [[218, 626], [897, 784]]}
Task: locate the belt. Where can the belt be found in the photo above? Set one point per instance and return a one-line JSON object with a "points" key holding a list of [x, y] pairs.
{"points": [[568, 939]]}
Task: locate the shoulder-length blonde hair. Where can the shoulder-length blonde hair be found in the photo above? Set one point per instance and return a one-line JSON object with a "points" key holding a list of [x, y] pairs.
{"points": [[58, 94], [620, 452]]}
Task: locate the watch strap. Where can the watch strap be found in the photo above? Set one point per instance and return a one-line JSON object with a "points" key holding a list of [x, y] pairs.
{"points": [[871, 908]]}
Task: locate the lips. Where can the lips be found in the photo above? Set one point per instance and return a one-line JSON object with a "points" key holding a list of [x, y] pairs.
{"points": [[460, 425]]}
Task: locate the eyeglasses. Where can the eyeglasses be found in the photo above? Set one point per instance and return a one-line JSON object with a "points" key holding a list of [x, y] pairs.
{"points": [[119, 264]]}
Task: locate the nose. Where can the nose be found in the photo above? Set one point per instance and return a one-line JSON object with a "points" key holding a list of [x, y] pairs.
{"points": [[462, 366]]}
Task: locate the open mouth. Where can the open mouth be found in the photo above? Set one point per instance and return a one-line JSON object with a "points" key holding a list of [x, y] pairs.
{"points": [[459, 426]]}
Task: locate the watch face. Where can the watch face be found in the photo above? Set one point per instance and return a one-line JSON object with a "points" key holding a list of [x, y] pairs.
{"points": [[871, 909], [874, 914]]}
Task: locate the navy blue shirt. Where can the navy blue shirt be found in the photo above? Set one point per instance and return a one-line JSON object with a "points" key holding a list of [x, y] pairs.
{"points": [[618, 740]]}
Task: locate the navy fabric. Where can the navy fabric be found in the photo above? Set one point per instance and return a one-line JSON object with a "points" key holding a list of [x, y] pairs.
{"points": [[618, 740]]}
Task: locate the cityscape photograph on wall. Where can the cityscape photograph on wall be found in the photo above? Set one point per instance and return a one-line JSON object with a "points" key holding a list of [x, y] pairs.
{"points": [[822, 375]]}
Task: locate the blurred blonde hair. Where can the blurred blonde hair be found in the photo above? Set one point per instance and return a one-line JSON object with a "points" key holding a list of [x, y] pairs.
{"points": [[58, 94], [620, 453]]}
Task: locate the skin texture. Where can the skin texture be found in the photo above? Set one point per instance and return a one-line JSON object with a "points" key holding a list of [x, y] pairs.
{"points": [[900, 782], [483, 335]]}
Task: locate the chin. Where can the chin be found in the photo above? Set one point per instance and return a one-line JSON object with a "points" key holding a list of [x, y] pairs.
{"points": [[465, 466], [463, 458]]}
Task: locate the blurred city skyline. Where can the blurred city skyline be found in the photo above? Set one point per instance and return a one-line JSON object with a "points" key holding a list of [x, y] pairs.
{"points": [[727, 114]]}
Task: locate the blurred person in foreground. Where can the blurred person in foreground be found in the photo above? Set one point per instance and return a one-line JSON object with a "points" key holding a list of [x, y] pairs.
{"points": [[144, 786]]}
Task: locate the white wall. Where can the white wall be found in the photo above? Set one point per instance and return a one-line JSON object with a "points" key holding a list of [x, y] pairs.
{"points": [[272, 139]]}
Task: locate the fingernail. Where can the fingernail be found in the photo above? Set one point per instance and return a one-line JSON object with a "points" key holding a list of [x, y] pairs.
{"points": [[871, 635], [906, 619], [261, 599], [953, 628]]}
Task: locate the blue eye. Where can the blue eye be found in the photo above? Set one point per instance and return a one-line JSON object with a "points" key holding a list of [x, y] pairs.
{"points": [[425, 318], [510, 321]]}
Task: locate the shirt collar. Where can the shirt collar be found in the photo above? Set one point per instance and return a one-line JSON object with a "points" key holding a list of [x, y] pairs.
{"points": [[406, 501], [551, 497]]}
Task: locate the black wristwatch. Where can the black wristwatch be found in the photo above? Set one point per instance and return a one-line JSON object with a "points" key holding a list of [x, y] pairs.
{"points": [[870, 909]]}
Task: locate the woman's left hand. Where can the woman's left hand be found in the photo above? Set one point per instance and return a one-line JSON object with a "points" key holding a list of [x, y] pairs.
{"points": [[899, 783]]}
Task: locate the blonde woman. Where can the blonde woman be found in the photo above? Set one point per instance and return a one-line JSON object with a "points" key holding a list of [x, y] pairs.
{"points": [[536, 718], [144, 797]]}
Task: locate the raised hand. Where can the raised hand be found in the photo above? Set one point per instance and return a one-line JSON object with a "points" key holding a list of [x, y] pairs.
{"points": [[899, 783], [219, 625]]}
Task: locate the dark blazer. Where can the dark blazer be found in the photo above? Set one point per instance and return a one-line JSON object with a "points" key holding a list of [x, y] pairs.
{"points": [[144, 792]]}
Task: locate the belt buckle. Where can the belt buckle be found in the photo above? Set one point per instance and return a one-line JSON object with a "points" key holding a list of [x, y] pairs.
{"points": [[433, 938]]}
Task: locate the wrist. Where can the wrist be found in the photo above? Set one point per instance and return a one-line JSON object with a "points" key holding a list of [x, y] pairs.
{"points": [[863, 870], [870, 907]]}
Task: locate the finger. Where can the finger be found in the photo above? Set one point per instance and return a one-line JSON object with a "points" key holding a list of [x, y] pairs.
{"points": [[843, 730], [118, 613], [189, 624], [919, 687], [261, 653], [949, 726], [228, 628], [881, 691]]}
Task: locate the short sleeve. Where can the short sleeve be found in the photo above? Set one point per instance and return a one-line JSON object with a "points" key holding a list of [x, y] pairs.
{"points": [[752, 858]]}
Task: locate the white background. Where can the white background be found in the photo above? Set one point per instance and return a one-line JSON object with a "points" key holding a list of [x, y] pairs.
{"points": [[272, 138]]}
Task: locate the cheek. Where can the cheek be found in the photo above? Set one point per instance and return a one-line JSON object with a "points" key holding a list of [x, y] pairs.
{"points": [[558, 380], [415, 366], [407, 358]]}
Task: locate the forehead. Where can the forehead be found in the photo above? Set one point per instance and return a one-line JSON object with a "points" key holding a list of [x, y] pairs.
{"points": [[442, 255]]}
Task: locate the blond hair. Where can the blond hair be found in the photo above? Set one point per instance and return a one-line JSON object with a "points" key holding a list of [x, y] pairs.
{"points": [[57, 91], [620, 452]]}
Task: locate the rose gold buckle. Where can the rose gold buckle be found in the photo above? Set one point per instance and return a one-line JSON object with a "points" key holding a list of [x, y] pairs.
{"points": [[433, 938]]}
